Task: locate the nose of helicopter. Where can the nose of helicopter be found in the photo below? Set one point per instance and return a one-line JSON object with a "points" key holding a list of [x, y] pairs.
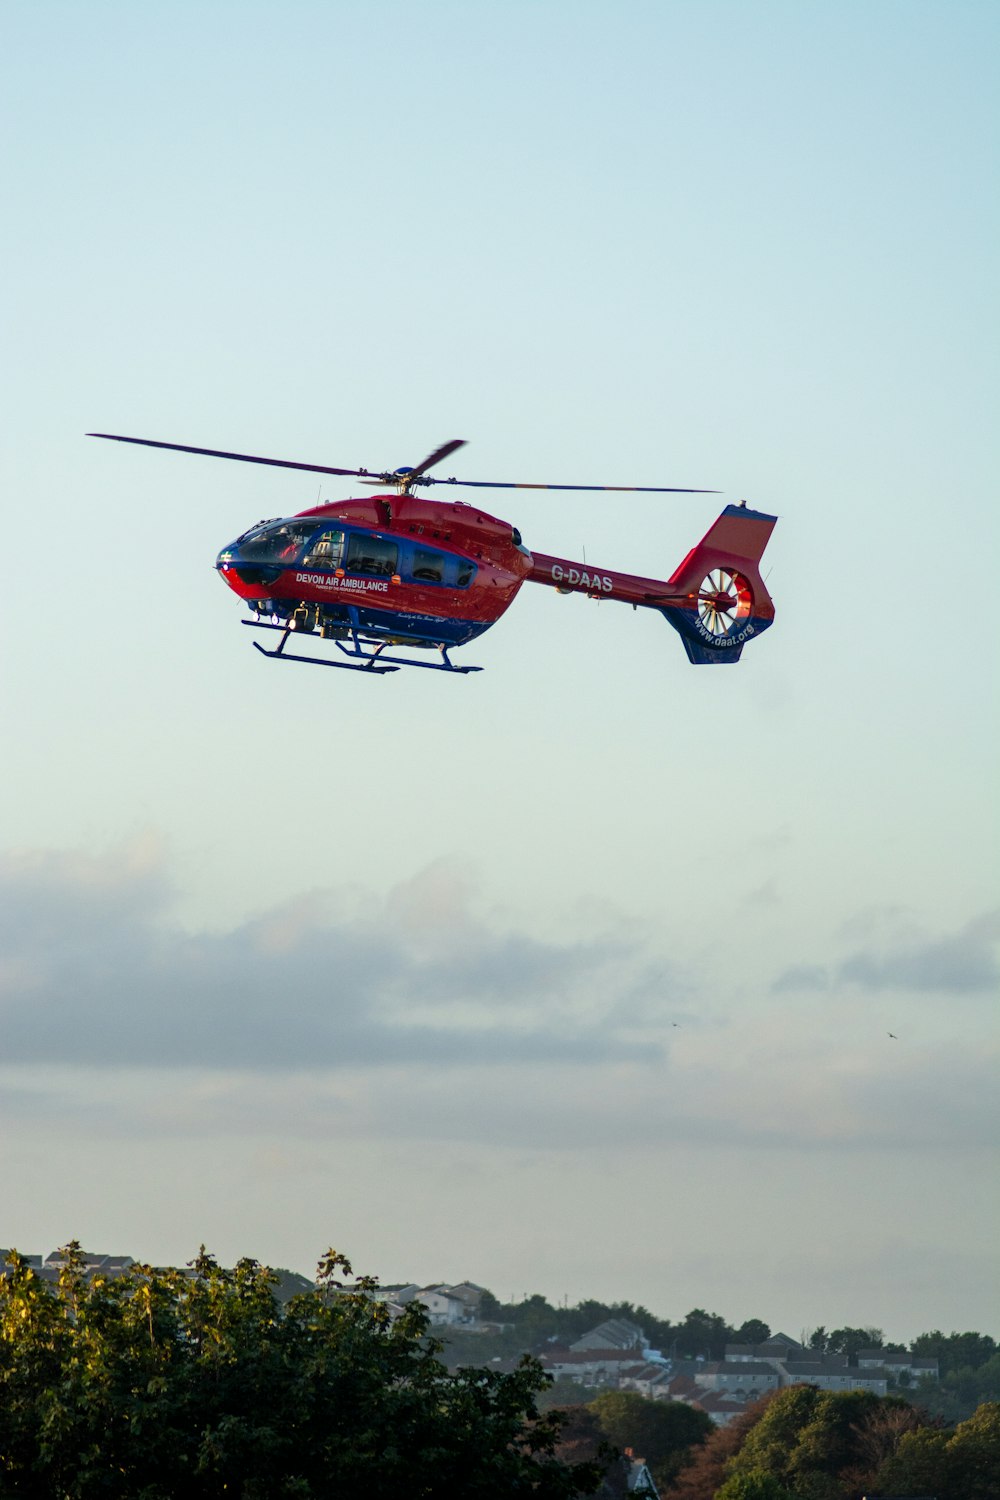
{"points": [[227, 561], [242, 577], [224, 568]]}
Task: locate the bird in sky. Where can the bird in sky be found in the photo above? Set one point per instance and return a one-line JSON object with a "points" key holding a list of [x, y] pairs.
{"points": [[893, 1035]]}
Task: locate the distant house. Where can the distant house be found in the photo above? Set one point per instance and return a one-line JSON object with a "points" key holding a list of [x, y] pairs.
{"points": [[897, 1362], [616, 1333], [682, 1388], [749, 1371], [722, 1407], [649, 1380], [447, 1304], [34, 1261], [399, 1294], [738, 1377], [470, 1296], [444, 1308], [94, 1262], [826, 1377], [638, 1479], [289, 1284], [590, 1367], [777, 1348], [47, 1269]]}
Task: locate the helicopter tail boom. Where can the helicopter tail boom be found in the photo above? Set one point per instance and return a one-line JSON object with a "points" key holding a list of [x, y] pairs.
{"points": [[716, 600]]}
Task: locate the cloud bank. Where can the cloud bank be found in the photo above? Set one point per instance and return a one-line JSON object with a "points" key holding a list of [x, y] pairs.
{"points": [[94, 973], [422, 1013], [963, 963]]}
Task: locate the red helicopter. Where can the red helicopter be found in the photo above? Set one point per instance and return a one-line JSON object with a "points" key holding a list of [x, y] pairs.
{"points": [[399, 570]]}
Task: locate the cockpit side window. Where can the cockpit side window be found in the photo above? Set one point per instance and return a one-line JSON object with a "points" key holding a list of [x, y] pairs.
{"points": [[465, 572], [374, 555], [326, 551]]}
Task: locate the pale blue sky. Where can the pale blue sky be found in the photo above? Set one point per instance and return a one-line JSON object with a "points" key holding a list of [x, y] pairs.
{"points": [[397, 964]]}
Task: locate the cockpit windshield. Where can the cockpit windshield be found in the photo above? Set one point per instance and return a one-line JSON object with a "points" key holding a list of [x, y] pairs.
{"points": [[277, 542]]}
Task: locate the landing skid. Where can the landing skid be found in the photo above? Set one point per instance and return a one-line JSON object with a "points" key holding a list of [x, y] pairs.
{"points": [[369, 660]]}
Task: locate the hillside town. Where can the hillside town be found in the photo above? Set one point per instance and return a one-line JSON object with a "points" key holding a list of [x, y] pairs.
{"points": [[617, 1355]]}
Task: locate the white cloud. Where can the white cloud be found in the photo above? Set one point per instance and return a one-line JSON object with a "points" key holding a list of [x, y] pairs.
{"points": [[425, 1014]]}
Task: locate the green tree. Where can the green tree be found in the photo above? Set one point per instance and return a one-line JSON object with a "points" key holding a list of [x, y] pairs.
{"points": [[662, 1433], [960, 1391], [703, 1333], [707, 1466], [753, 1331], [822, 1445], [850, 1340], [159, 1384], [565, 1391], [955, 1351], [756, 1485], [814, 1445], [535, 1320], [490, 1310], [960, 1465]]}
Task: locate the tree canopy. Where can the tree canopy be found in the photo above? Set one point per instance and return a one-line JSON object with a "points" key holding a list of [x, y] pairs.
{"points": [[662, 1433], [849, 1341], [963, 1464], [955, 1351], [156, 1384], [803, 1444]]}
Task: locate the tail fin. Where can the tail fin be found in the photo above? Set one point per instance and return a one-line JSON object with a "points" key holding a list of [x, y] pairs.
{"points": [[721, 600]]}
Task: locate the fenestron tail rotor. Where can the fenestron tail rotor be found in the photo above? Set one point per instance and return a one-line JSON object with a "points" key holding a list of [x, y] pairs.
{"points": [[724, 598], [405, 479]]}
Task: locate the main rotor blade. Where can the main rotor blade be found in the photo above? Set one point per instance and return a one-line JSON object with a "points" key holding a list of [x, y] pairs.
{"points": [[415, 476], [243, 458], [438, 455], [631, 489]]}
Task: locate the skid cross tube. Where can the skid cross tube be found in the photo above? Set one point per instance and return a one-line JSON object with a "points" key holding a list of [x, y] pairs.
{"points": [[369, 661]]}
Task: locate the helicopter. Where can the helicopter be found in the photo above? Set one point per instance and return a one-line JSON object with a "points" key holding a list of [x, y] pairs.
{"points": [[397, 570]]}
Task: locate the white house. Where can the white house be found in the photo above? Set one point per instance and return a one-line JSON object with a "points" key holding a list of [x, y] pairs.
{"points": [[739, 1377]]}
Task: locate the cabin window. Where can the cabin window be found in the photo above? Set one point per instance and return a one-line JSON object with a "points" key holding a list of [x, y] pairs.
{"points": [[371, 554], [465, 573], [326, 551], [428, 566]]}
